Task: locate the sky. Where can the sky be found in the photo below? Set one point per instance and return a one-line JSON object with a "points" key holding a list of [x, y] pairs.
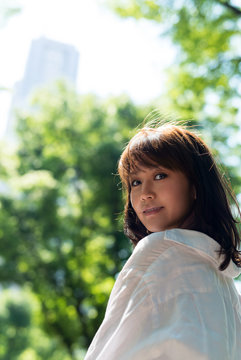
{"points": [[116, 55]]}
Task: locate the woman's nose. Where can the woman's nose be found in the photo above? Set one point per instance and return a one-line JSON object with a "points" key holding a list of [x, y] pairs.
{"points": [[147, 192]]}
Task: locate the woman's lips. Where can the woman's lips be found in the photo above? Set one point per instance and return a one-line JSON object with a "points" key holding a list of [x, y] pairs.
{"points": [[152, 211]]}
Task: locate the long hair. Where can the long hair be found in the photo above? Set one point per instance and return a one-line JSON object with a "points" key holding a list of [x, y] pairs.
{"points": [[177, 148]]}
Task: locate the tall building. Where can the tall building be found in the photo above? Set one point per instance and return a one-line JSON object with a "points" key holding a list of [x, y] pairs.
{"points": [[48, 61]]}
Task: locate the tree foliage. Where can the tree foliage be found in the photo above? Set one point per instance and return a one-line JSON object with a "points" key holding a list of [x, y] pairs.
{"points": [[21, 336], [204, 80], [60, 231]]}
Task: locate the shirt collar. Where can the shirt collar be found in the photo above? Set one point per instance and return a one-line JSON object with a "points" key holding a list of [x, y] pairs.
{"points": [[206, 246]]}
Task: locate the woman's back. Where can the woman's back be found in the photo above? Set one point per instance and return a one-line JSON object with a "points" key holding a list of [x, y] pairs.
{"points": [[171, 301]]}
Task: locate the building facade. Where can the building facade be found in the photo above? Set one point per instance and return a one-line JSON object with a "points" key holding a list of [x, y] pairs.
{"points": [[47, 62]]}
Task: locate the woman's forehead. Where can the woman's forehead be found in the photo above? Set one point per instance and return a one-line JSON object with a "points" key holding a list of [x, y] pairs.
{"points": [[145, 168]]}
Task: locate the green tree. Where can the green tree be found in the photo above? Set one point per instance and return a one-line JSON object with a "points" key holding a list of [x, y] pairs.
{"points": [[204, 80], [60, 235], [21, 337]]}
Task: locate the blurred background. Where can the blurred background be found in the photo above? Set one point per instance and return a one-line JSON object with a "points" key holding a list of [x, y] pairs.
{"points": [[76, 78]]}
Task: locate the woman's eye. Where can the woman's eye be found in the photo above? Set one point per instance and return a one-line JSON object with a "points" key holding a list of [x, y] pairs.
{"points": [[135, 182], [160, 176]]}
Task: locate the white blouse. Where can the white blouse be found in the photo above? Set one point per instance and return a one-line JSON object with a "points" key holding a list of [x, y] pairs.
{"points": [[170, 302]]}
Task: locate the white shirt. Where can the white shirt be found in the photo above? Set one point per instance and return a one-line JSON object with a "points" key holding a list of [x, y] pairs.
{"points": [[170, 302]]}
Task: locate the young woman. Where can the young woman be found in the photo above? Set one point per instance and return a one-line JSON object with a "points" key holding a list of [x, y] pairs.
{"points": [[175, 298]]}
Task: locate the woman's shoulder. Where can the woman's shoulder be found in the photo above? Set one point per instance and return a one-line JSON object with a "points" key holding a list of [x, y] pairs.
{"points": [[178, 247], [173, 262]]}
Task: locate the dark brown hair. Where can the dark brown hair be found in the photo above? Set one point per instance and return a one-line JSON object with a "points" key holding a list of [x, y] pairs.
{"points": [[177, 148]]}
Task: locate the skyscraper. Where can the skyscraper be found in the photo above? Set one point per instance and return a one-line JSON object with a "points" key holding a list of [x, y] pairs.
{"points": [[48, 61]]}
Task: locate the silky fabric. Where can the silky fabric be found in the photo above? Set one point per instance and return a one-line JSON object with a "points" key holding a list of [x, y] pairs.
{"points": [[171, 302]]}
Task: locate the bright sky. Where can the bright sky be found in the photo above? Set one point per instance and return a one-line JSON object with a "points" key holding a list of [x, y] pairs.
{"points": [[116, 55]]}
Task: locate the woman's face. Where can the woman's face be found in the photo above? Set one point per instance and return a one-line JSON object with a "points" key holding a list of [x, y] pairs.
{"points": [[162, 198]]}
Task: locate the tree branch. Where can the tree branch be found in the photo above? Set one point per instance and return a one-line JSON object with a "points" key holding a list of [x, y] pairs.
{"points": [[227, 4]]}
